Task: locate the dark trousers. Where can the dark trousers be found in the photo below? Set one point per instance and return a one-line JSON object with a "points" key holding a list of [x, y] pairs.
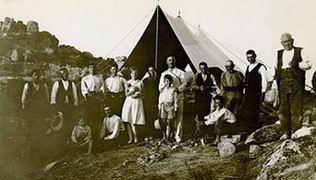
{"points": [[93, 115], [151, 114], [202, 104], [100, 145], [69, 121], [115, 101], [232, 100], [291, 104], [204, 130], [224, 128]]}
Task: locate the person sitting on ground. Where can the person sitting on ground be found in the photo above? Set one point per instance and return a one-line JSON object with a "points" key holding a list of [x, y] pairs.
{"points": [[168, 104], [112, 125], [81, 135], [221, 117]]}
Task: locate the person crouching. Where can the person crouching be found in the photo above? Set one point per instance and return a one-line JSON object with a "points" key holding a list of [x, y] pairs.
{"points": [[81, 135], [111, 130], [168, 104], [221, 118]]}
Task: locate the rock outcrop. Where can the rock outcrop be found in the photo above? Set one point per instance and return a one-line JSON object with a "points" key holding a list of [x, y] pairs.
{"points": [[291, 160], [25, 43], [265, 134], [32, 27]]}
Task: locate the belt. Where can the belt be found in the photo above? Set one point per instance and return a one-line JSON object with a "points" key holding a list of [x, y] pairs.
{"points": [[232, 88], [170, 103]]}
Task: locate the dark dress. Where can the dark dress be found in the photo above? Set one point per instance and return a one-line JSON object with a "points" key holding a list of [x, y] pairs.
{"points": [[150, 104]]}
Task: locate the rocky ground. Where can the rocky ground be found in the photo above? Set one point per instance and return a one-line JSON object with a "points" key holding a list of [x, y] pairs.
{"points": [[263, 157], [277, 160]]}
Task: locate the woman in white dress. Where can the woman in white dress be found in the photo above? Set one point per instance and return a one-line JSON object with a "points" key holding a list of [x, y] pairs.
{"points": [[133, 109]]}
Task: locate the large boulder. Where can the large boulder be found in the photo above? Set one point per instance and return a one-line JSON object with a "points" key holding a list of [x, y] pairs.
{"points": [[32, 27], [226, 149], [265, 134], [304, 131], [254, 151], [7, 24]]}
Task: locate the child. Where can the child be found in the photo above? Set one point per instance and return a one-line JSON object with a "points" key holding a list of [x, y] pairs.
{"points": [[81, 135], [167, 105]]}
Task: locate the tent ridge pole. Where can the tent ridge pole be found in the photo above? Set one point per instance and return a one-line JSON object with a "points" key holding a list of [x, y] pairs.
{"points": [[156, 43]]}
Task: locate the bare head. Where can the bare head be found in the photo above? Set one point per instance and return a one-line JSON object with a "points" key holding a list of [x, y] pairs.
{"points": [[168, 80], [133, 73], [107, 111], [203, 67], [218, 101], [113, 70], [92, 69], [251, 56], [64, 73], [81, 122], [287, 41], [151, 71], [171, 62], [229, 65]]}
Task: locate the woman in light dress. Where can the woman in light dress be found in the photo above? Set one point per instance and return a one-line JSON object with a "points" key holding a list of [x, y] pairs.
{"points": [[133, 109]]}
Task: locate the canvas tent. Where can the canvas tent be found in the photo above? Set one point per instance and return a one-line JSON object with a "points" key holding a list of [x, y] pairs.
{"points": [[168, 36]]}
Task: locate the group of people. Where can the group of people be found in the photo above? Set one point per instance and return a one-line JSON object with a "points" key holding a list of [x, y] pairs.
{"points": [[117, 104]]}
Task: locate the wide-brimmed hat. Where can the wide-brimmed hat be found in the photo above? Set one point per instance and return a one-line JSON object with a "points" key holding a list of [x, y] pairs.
{"points": [[157, 124], [56, 122]]}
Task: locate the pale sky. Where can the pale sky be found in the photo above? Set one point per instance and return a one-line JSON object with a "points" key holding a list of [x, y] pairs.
{"points": [[98, 26]]}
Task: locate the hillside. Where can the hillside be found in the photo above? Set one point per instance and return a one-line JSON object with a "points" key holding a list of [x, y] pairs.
{"points": [[24, 47]]}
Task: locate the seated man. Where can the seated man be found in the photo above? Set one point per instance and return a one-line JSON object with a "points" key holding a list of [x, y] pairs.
{"points": [[111, 128], [81, 135], [221, 117]]}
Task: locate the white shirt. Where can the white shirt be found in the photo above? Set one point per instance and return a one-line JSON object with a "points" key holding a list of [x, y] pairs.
{"points": [[91, 83], [288, 56], [115, 84], [26, 91], [264, 77], [114, 125], [66, 86], [168, 95], [179, 80], [222, 114]]}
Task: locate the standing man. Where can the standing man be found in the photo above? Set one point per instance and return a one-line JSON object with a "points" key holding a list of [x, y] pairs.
{"points": [[255, 87], [64, 98], [206, 86], [115, 87], [35, 106], [232, 87], [290, 75], [92, 88], [179, 83], [151, 98]]}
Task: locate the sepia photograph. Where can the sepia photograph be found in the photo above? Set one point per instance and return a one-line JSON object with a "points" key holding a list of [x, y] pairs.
{"points": [[157, 89]]}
